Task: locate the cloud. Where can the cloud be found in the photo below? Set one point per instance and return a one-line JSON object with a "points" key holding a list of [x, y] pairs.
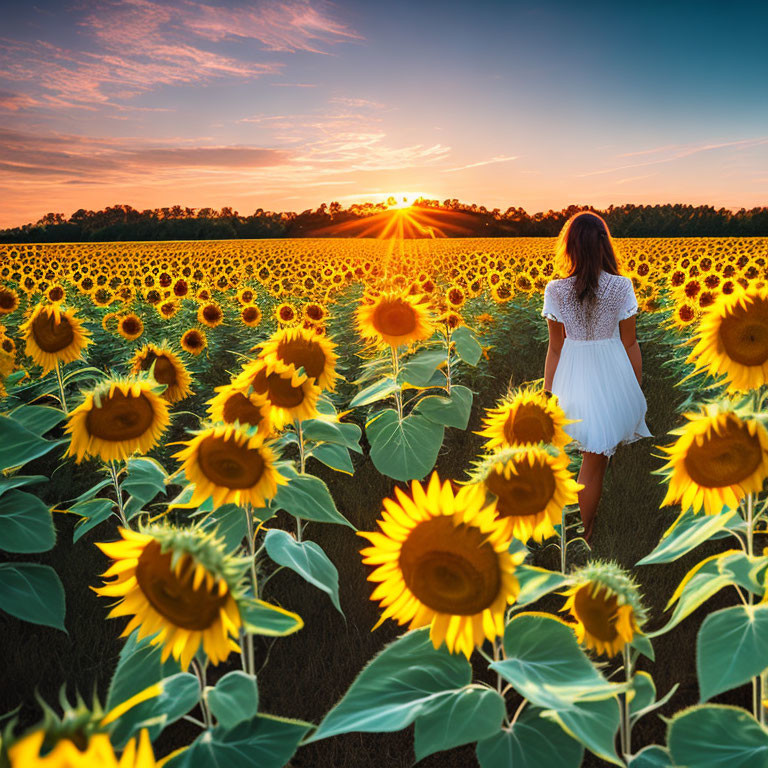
{"points": [[134, 46], [497, 159], [680, 152], [635, 178]]}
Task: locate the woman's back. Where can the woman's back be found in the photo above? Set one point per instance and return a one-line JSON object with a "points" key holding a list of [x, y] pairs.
{"points": [[587, 321]]}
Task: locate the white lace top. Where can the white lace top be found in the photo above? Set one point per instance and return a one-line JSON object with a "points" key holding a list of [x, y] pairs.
{"points": [[615, 301]]}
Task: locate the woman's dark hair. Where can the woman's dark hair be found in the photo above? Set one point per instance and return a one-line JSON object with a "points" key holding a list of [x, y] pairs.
{"points": [[584, 247]]}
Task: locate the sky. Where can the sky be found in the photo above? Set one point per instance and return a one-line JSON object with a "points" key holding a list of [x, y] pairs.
{"points": [[285, 104]]}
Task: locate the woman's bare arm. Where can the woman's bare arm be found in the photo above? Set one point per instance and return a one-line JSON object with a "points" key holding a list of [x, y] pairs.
{"points": [[556, 338], [629, 339]]}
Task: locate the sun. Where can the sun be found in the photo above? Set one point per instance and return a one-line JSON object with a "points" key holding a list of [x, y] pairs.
{"points": [[400, 200]]}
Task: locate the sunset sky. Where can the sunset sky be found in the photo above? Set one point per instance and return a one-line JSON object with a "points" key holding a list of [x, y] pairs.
{"points": [[286, 104]]}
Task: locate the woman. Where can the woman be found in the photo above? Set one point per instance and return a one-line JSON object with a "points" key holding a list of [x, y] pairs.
{"points": [[593, 363]]}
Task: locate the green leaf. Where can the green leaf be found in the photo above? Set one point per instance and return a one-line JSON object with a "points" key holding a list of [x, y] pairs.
{"points": [[138, 667], [26, 524], [264, 741], [593, 723], [747, 572], [38, 419], [230, 523], [545, 664], [335, 432], [234, 699], [467, 346], [532, 742], [468, 715], [731, 648], [688, 531], [653, 756], [19, 445], [307, 559], [714, 736], [418, 369], [145, 478], [536, 582], [262, 618], [379, 390], [643, 644], [408, 679], [333, 456], [180, 692], [33, 593], [644, 692], [18, 481], [403, 450], [308, 497], [451, 411], [93, 512]]}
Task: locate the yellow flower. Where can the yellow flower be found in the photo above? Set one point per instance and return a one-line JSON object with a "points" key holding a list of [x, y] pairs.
{"points": [[531, 487], [732, 339], [303, 348], [53, 334], [525, 418], [9, 301], [605, 603], [194, 341], [210, 314], [118, 418], [179, 584], [717, 459], [130, 326], [97, 753], [168, 370], [395, 318], [231, 465], [231, 405], [443, 560]]}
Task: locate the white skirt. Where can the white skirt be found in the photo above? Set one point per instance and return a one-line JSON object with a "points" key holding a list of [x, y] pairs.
{"points": [[595, 383]]}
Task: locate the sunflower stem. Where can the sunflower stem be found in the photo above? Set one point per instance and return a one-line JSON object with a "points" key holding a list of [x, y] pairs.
{"points": [[251, 666], [517, 712], [113, 471], [62, 398], [626, 729], [563, 542], [300, 437], [398, 392], [448, 361]]}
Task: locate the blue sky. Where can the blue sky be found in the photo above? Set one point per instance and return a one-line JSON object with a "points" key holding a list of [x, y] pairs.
{"points": [[284, 104]]}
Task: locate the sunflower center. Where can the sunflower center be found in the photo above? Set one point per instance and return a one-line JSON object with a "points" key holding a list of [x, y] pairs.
{"points": [[228, 464], [239, 408], [120, 417], [526, 493], [530, 423], [302, 352], [165, 370], [724, 459], [394, 317], [51, 336], [282, 394], [450, 569], [172, 595], [744, 333], [7, 300], [598, 613], [131, 325]]}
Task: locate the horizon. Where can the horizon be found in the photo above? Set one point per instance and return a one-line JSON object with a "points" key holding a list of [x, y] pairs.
{"points": [[286, 104]]}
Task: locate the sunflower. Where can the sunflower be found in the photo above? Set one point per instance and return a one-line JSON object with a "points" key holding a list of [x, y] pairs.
{"points": [[394, 318], [250, 315], [56, 294], [443, 560], [292, 395], [314, 312], [194, 341], [285, 313], [720, 456], [605, 603], [231, 405], [117, 418], [168, 309], [525, 418], [178, 585], [304, 349], [9, 301], [97, 752], [130, 326], [245, 296], [210, 314], [102, 297], [167, 369], [231, 464], [53, 335], [732, 339], [456, 296], [532, 485]]}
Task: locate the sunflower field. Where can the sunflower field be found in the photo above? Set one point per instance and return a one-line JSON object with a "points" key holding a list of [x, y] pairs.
{"points": [[224, 463]]}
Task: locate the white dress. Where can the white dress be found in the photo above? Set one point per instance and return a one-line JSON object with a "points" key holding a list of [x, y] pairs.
{"points": [[594, 380]]}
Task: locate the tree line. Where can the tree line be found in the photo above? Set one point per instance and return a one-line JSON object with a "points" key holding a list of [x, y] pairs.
{"points": [[123, 222]]}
